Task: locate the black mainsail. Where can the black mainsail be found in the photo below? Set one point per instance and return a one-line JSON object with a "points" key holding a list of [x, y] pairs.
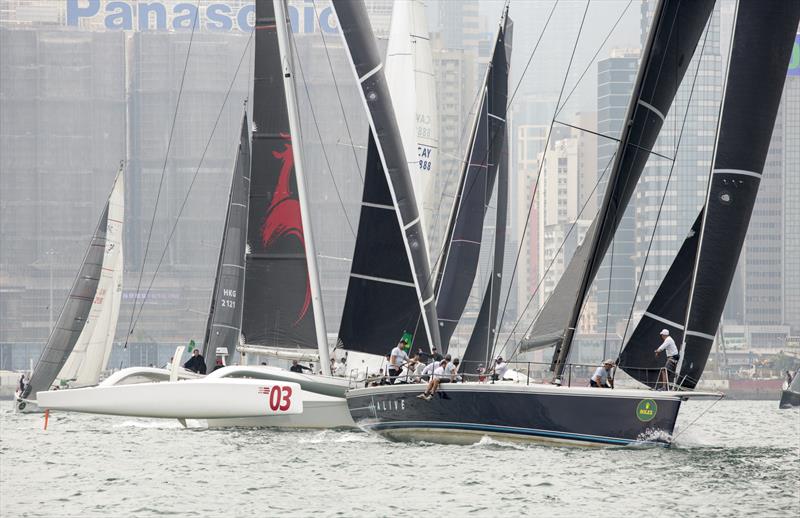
{"points": [[74, 313], [459, 262], [690, 300], [673, 37], [225, 314], [389, 291], [277, 311]]}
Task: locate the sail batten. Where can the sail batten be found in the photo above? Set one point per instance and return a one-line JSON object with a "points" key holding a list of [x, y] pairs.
{"points": [[695, 289], [389, 244]]}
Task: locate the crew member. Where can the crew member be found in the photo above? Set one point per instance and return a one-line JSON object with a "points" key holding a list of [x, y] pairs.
{"points": [[668, 345], [196, 363], [397, 358], [499, 369], [438, 377], [602, 377], [296, 367]]}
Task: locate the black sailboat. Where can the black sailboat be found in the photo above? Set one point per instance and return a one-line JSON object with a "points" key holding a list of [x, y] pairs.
{"points": [[463, 412], [389, 292], [790, 396]]}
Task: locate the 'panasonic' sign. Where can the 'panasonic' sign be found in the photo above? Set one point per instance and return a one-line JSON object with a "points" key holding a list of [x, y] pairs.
{"points": [[162, 16]]}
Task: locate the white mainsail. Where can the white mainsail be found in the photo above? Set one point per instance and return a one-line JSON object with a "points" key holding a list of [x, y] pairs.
{"points": [[414, 101], [93, 348]]}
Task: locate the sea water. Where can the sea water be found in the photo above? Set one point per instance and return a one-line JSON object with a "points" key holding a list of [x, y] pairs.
{"points": [[732, 458]]}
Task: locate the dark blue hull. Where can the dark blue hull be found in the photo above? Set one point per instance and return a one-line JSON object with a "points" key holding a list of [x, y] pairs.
{"points": [[789, 399], [465, 412]]}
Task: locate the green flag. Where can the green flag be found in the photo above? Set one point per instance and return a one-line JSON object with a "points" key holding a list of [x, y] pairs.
{"points": [[409, 339], [191, 345]]}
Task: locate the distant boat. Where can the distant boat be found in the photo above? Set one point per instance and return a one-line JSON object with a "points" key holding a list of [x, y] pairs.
{"points": [[79, 345], [695, 287], [790, 396]]}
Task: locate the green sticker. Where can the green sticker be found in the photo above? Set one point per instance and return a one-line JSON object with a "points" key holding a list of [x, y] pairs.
{"points": [[646, 410]]}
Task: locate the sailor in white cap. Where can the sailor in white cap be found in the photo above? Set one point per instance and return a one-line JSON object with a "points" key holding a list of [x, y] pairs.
{"points": [[668, 345], [603, 377]]}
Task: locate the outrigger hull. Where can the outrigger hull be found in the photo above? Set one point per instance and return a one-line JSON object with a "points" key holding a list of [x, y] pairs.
{"points": [[463, 413]]}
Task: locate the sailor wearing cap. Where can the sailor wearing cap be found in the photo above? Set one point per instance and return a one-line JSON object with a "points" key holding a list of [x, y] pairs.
{"points": [[668, 345], [603, 377]]}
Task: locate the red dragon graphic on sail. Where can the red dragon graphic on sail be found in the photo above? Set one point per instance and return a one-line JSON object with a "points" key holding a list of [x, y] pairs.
{"points": [[283, 214]]}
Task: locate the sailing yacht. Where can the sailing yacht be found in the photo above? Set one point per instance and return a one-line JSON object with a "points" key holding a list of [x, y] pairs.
{"points": [[79, 345], [689, 301]]}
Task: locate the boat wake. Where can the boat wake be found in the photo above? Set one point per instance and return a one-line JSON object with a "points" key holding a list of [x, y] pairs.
{"points": [[489, 443], [329, 436], [156, 424]]}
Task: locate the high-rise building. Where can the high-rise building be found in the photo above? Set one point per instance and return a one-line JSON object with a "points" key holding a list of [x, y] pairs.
{"points": [[459, 25], [614, 283], [791, 192]]}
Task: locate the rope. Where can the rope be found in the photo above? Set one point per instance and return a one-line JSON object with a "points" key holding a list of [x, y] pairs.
{"points": [[720, 398], [191, 184], [163, 173]]}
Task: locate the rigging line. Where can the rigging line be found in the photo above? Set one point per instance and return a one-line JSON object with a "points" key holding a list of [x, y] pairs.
{"points": [[191, 184], [319, 134], [591, 61], [704, 412], [608, 296], [664, 195], [163, 171], [707, 197], [555, 256], [478, 96], [475, 102], [336, 87], [615, 139], [541, 166]]}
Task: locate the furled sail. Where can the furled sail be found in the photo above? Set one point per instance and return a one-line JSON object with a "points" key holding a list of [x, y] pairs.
{"points": [[459, 262], [389, 291], [672, 40], [691, 298], [92, 350], [83, 307], [408, 55], [277, 294], [225, 314]]}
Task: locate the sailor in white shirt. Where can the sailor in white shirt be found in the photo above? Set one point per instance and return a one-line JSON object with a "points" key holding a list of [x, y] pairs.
{"points": [[668, 345], [500, 368], [602, 377], [439, 375], [396, 361]]}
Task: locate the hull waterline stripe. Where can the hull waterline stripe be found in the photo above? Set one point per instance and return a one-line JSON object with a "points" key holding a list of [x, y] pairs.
{"points": [[506, 429], [370, 73], [383, 279], [663, 320], [737, 171], [652, 109], [700, 335]]}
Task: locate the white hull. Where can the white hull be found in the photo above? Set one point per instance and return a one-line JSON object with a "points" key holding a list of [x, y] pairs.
{"points": [[189, 399], [318, 412]]}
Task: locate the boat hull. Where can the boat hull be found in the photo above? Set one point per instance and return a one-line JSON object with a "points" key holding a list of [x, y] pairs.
{"points": [[462, 413], [789, 399], [319, 411]]}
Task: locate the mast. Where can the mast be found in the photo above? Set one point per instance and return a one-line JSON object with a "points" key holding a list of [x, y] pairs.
{"points": [[281, 22], [673, 37]]}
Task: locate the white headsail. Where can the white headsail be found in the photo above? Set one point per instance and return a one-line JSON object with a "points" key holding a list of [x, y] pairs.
{"points": [[93, 348], [412, 86]]}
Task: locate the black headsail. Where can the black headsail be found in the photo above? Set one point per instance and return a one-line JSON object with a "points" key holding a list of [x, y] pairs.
{"points": [[389, 291], [225, 315], [72, 319], [277, 295], [673, 37], [696, 286], [459, 262]]}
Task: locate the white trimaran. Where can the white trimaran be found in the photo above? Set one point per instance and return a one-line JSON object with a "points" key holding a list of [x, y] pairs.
{"points": [[322, 396]]}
